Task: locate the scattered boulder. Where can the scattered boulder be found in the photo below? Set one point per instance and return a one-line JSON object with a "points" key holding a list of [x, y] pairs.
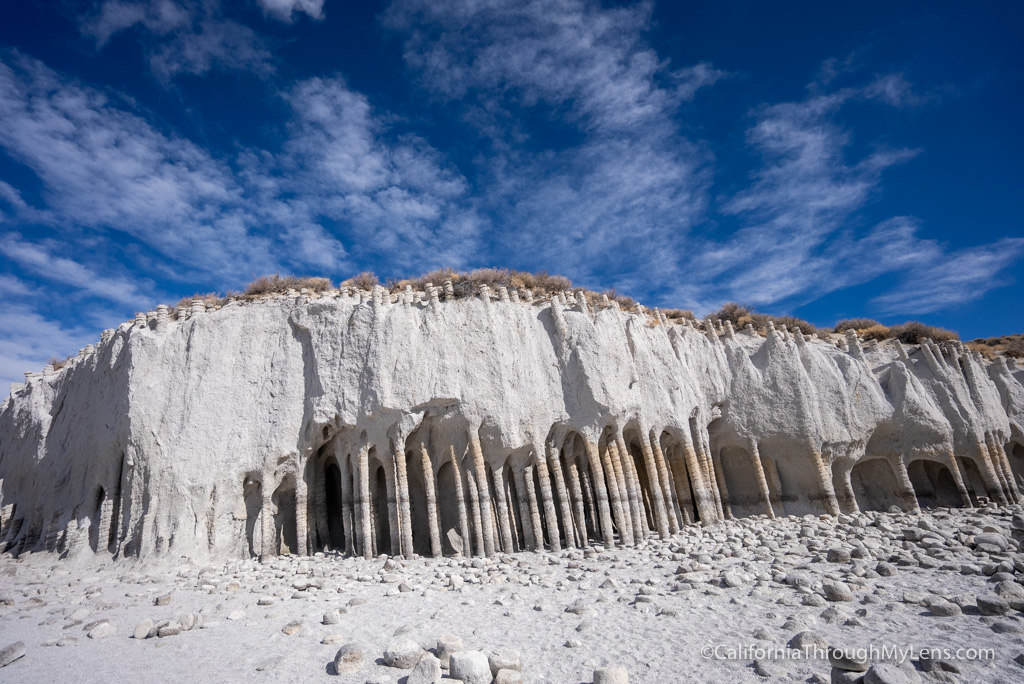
{"points": [[348, 660], [402, 654], [446, 645], [142, 629], [505, 659], [836, 591], [613, 674], [426, 671], [471, 667]]}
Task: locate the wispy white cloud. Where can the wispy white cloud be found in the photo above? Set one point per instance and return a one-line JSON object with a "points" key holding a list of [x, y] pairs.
{"points": [[952, 279], [28, 339], [285, 10], [43, 262], [187, 36]]}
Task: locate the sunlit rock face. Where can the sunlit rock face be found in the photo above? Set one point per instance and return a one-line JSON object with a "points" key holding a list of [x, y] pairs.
{"points": [[415, 423]]}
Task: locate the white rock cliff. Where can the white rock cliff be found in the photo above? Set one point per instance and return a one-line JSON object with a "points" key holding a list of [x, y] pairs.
{"points": [[371, 423]]}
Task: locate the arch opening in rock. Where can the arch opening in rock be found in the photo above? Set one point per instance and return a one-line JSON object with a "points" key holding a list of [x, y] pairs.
{"points": [[933, 484], [285, 522], [741, 481], [874, 485]]}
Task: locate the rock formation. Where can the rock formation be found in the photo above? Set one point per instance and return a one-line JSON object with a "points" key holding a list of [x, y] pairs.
{"points": [[417, 423]]}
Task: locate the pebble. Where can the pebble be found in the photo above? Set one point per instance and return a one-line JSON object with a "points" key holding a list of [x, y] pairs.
{"points": [[292, 628], [885, 673], [12, 653], [613, 674], [142, 629], [848, 659], [332, 639], [236, 615], [943, 608], [102, 631], [808, 640], [446, 645], [269, 664], [508, 677]]}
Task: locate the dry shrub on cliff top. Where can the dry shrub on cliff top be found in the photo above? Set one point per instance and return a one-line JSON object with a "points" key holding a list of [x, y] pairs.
{"points": [[858, 324], [58, 363], [1008, 345], [912, 332], [467, 284], [740, 315], [211, 299], [679, 314], [366, 280], [277, 283]]}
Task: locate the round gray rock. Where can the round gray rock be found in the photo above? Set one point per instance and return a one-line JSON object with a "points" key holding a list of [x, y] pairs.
{"points": [[471, 667], [403, 654], [505, 659], [885, 673], [349, 659], [426, 671], [613, 674], [12, 653]]}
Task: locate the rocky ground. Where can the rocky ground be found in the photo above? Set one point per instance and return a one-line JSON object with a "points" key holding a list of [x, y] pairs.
{"points": [[692, 608]]}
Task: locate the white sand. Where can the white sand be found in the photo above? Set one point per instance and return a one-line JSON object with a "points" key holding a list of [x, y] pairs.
{"points": [[658, 638]]}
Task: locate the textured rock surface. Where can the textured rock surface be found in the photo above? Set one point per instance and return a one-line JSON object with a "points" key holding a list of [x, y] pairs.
{"points": [[371, 422]]}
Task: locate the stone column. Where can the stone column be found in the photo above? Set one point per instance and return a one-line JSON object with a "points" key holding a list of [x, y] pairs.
{"points": [[771, 472], [705, 454], [460, 496], [1002, 468], [632, 500], [484, 491], [723, 486], [601, 494], [671, 505], [550, 516], [320, 503], [827, 488], [477, 517], [705, 501], [844, 492], [269, 541], [958, 478], [576, 493], [404, 512], [654, 480], [617, 491], [555, 464], [524, 510], [301, 505], [348, 514], [906, 488], [1005, 460], [988, 473], [682, 483], [364, 502], [394, 519], [430, 490], [591, 516], [501, 498], [762, 480], [106, 517], [531, 497]]}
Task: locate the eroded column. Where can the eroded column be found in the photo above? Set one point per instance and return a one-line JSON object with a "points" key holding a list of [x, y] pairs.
{"points": [[404, 512], [550, 516], [525, 512], [906, 487], [364, 502], [668, 495], [430, 492], [460, 497], [484, 491], [531, 497], [762, 480], [632, 499], [501, 498], [618, 491], [555, 466], [601, 494], [654, 480]]}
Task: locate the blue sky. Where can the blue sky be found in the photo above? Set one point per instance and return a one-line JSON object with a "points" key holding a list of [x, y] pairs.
{"points": [[825, 160]]}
